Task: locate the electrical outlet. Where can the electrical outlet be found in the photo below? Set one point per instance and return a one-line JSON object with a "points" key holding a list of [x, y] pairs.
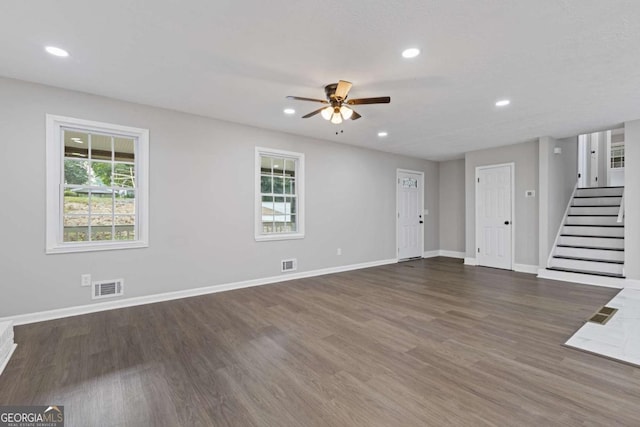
{"points": [[339, 251], [85, 280]]}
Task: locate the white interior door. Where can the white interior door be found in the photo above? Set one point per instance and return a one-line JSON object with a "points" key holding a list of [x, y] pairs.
{"points": [[583, 155], [493, 216], [593, 160], [410, 215]]}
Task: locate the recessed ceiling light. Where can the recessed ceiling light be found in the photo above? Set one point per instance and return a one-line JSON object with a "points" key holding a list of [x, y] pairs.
{"points": [[411, 52], [289, 111], [56, 51], [503, 103], [382, 134]]}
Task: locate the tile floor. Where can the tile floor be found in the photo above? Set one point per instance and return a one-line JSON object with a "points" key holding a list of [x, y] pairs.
{"points": [[619, 338]]}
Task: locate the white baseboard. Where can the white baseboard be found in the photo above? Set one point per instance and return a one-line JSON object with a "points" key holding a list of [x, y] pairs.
{"points": [[442, 252], [525, 268], [452, 254], [149, 299], [586, 279], [470, 261], [431, 254], [5, 362]]}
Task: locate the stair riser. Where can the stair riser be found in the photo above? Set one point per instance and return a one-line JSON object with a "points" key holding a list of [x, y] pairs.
{"points": [[594, 210], [594, 192], [594, 231], [590, 253], [596, 201], [593, 220], [599, 267], [591, 241]]}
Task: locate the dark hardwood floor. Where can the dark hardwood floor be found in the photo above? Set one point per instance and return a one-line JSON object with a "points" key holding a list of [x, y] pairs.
{"points": [[423, 343]]}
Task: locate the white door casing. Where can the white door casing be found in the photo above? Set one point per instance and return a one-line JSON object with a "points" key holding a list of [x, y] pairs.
{"points": [[494, 216], [410, 215]]}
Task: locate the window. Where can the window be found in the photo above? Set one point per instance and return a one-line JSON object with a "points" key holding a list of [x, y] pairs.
{"points": [[97, 186], [279, 195], [617, 155]]}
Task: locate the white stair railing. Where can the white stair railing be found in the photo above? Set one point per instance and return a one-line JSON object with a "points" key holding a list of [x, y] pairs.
{"points": [[562, 222], [621, 211]]}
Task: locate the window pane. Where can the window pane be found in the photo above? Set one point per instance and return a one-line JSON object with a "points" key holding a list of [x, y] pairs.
{"points": [[288, 186], [290, 167], [278, 185], [293, 205], [265, 184], [101, 202], [76, 172], [278, 166], [291, 225], [124, 175], [76, 203], [125, 202], [125, 227], [265, 164], [75, 228], [101, 147], [101, 227], [101, 173], [124, 149], [76, 144]]}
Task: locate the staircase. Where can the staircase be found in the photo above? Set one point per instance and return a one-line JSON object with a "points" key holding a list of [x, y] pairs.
{"points": [[591, 239]]}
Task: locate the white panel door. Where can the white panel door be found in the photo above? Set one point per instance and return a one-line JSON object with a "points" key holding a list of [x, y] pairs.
{"points": [[493, 216], [593, 160], [410, 221]]}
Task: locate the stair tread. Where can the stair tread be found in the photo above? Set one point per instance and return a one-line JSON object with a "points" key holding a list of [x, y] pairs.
{"points": [[593, 273], [594, 206], [612, 215], [599, 248], [595, 225], [606, 261], [598, 188], [588, 235], [596, 197]]}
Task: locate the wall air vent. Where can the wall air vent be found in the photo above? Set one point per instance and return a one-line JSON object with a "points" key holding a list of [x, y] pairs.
{"points": [[289, 264], [107, 288]]}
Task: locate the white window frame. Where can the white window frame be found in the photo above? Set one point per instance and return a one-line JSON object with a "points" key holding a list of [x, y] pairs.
{"points": [[55, 184], [299, 158]]}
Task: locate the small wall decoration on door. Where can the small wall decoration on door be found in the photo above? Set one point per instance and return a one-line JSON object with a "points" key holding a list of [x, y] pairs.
{"points": [[409, 183]]}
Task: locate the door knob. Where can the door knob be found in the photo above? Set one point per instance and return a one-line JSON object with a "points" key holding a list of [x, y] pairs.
{"points": [[506, 223], [421, 222]]}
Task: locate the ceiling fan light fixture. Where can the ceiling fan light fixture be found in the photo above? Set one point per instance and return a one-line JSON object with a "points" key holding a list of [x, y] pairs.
{"points": [[327, 113], [336, 119], [346, 112]]}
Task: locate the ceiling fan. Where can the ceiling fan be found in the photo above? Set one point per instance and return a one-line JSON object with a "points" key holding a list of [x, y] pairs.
{"points": [[337, 108]]}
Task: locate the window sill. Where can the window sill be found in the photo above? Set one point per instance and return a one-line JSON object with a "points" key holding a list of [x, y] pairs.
{"points": [[270, 237], [71, 248]]}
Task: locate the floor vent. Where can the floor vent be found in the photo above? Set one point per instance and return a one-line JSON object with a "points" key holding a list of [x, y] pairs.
{"points": [[107, 289], [603, 315], [289, 264]]}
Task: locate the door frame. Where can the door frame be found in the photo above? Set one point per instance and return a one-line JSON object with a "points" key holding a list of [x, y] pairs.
{"points": [[421, 184], [512, 165]]}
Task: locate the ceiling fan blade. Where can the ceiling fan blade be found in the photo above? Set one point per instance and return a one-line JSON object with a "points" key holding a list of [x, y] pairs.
{"points": [[300, 98], [355, 116], [343, 89], [379, 100], [313, 113]]}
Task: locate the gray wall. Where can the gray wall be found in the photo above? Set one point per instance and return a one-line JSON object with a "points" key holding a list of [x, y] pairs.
{"points": [[558, 177], [201, 203], [452, 212], [632, 199], [525, 157]]}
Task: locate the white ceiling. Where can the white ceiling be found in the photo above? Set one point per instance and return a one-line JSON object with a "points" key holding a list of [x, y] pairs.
{"points": [[568, 66]]}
